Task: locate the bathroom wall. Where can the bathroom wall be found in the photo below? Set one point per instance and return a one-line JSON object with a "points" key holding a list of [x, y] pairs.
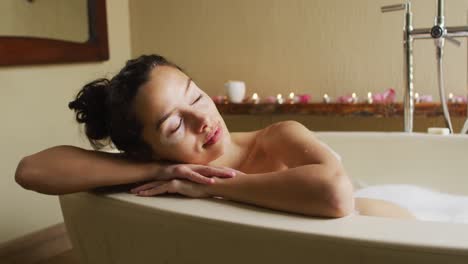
{"points": [[305, 46], [34, 116]]}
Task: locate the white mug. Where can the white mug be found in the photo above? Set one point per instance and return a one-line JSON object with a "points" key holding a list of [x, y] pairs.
{"points": [[235, 91]]}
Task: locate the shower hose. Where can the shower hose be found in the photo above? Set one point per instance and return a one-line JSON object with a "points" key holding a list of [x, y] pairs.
{"points": [[440, 77]]}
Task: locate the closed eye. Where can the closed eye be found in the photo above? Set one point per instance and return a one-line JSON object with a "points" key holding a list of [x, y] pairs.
{"points": [[180, 123], [198, 99]]}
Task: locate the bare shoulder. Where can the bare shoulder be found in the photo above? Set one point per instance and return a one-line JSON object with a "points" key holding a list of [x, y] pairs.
{"points": [[287, 124], [285, 132], [285, 128], [268, 133], [294, 144]]}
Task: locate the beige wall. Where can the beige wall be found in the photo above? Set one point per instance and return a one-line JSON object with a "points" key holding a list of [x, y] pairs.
{"points": [[34, 116], [305, 46]]}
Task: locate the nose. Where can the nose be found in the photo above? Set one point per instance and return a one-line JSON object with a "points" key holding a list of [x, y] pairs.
{"points": [[202, 121]]}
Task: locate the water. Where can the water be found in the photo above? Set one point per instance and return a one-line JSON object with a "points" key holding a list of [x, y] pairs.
{"points": [[424, 203]]}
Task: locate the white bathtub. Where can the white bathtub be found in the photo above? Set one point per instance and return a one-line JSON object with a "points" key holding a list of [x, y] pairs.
{"points": [[123, 228]]}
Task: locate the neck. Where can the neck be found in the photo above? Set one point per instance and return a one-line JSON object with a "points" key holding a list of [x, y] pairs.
{"points": [[234, 151]]}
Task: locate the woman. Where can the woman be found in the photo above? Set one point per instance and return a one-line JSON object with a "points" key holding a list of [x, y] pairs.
{"points": [[173, 140]]}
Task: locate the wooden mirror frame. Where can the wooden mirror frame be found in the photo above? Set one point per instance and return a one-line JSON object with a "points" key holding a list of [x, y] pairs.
{"points": [[32, 50]]}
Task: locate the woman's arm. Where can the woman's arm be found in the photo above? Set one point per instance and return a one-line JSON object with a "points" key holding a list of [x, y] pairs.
{"points": [[67, 169], [304, 189], [315, 182]]}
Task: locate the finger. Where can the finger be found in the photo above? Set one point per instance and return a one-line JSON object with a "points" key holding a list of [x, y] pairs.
{"points": [[154, 191], [197, 177], [236, 171], [217, 172], [147, 186]]}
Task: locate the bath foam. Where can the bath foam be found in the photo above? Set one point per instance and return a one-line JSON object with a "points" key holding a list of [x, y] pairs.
{"points": [[425, 204]]}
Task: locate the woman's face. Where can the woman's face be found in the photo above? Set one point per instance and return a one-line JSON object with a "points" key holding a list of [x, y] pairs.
{"points": [[178, 118]]}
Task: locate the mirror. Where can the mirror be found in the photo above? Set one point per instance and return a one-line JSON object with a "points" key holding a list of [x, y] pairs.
{"points": [[52, 31], [55, 17]]}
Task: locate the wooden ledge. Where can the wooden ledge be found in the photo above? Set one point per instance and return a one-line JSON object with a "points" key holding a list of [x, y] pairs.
{"points": [[338, 109]]}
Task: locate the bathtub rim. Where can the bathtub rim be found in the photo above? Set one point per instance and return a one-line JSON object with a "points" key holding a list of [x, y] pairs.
{"points": [[358, 227], [390, 134]]}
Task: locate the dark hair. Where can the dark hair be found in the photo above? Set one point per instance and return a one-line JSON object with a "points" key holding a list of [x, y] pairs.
{"points": [[106, 108]]}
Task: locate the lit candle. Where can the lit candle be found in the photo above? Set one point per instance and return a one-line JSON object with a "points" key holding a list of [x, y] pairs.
{"points": [[451, 99], [416, 98], [326, 98], [291, 98], [255, 98], [354, 98], [369, 98], [279, 99]]}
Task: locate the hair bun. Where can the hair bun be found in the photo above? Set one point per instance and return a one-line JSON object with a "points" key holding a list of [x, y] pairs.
{"points": [[91, 108]]}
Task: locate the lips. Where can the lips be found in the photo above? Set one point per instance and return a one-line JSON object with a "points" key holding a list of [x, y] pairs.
{"points": [[214, 137], [208, 138]]}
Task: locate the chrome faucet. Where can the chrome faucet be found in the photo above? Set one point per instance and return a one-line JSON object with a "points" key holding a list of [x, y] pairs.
{"points": [[439, 32], [465, 126]]}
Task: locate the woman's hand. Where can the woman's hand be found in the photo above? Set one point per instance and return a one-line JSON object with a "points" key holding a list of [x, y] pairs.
{"points": [[186, 179], [193, 172], [183, 187]]}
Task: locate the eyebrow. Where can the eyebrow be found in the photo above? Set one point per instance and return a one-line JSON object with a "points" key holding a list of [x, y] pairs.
{"points": [[166, 116]]}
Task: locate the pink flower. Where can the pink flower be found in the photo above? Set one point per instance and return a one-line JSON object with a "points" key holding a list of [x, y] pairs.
{"points": [[389, 95], [304, 98], [386, 97], [270, 99], [459, 99], [345, 99], [378, 98], [425, 98]]}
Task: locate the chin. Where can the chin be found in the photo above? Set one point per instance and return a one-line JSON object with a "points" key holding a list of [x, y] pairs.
{"points": [[209, 155], [218, 154]]}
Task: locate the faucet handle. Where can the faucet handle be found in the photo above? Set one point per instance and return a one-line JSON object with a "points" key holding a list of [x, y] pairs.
{"points": [[392, 8], [453, 41]]}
